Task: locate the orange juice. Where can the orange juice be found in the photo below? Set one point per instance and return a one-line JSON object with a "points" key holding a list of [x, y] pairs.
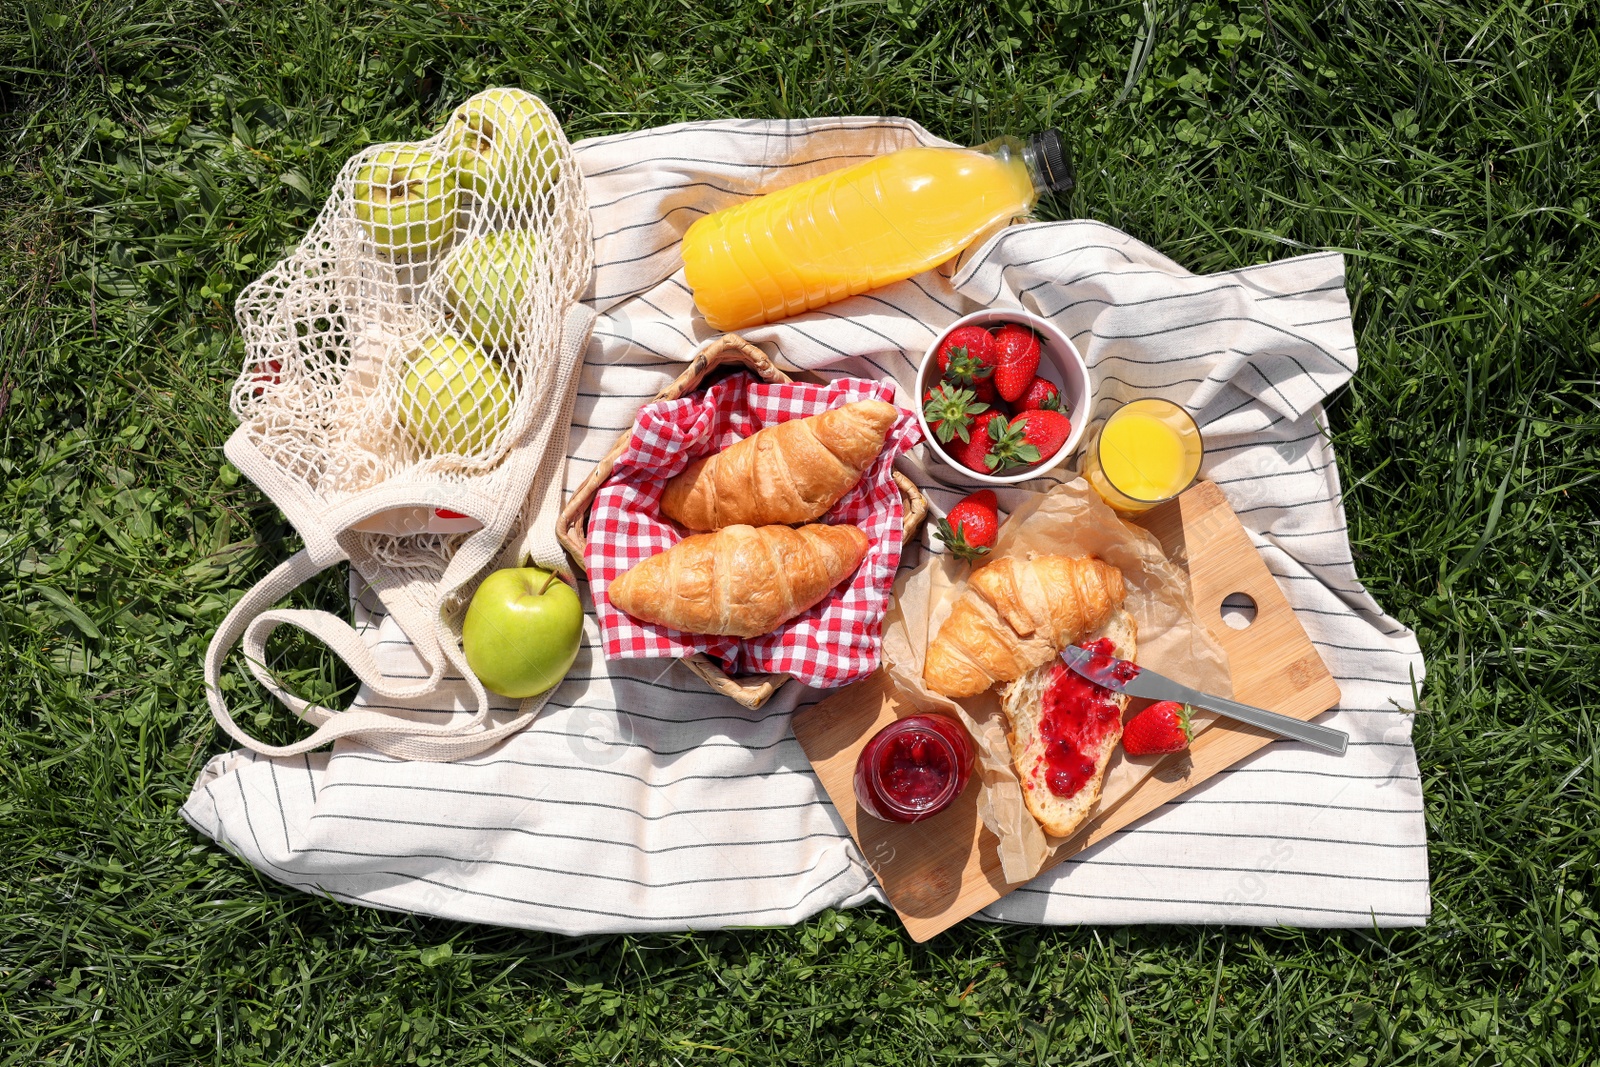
{"points": [[1147, 452], [855, 229]]}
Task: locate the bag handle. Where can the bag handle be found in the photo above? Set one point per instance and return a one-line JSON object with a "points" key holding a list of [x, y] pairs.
{"points": [[253, 620]]}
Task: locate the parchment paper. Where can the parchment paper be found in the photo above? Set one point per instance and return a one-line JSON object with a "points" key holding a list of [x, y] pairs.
{"points": [[1070, 520]]}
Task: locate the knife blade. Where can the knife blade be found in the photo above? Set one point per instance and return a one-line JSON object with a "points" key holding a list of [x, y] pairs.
{"points": [[1123, 676]]}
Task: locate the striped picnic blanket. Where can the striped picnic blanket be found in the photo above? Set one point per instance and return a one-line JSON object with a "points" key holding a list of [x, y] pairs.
{"points": [[639, 801]]}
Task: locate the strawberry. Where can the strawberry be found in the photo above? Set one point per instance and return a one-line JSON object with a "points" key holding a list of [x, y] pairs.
{"points": [[975, 347], [1016, 359], [972, 525], [1158, 729], [1041, 395], [949, 410], [974, 452], [1010, 446], [966, 358], [1046, 431]]}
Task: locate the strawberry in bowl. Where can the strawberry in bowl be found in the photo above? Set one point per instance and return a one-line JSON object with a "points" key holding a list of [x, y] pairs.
{"points": [[1005, 396], [966, 360]]}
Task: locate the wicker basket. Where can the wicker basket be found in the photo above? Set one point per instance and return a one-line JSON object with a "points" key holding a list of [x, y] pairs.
{"points": [[727, 354]]}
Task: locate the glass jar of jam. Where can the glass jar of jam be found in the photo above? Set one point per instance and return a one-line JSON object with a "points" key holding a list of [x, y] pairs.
{"points": [[914, 768]]}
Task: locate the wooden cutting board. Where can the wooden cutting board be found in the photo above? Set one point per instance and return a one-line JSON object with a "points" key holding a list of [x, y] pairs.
{"points": [[941, 870]]}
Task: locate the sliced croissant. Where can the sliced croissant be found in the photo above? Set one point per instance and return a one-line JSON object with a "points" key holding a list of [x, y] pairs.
{"points": [[1090, 740], [742, 581], [792, 472], [1015, 615]]}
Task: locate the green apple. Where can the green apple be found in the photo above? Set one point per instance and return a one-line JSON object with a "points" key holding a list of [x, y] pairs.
{"points": [[522, 631], [405, 195], [454, 398], [504, 141], [486, 281]]}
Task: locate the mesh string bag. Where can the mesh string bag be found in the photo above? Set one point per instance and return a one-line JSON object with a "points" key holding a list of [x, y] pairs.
{"points": [[405, 400]]}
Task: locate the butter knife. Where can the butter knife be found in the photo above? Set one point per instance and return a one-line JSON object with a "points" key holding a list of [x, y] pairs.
{"points": [[1121, 676]]}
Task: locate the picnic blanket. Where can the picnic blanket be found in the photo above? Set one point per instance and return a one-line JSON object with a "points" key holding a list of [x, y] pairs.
{"points": [[640, 801]]}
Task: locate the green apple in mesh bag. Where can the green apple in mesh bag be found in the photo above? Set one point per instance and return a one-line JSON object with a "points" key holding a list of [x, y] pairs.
{"points": [[454, 397], [405, 195], [486, 280], [504, 143], [522, 631]]}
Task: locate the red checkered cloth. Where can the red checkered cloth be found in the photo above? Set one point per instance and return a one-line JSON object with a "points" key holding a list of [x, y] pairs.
{"points": [[835, 642]]}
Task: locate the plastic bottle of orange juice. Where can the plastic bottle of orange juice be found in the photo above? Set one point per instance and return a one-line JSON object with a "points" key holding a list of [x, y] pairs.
{"points": [[861, 227]]}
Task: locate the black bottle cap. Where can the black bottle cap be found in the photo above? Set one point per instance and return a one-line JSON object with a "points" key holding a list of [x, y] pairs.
{"points": [[1055, 165]]}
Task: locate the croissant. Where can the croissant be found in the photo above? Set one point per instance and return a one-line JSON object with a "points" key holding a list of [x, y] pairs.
{"points": [[1062, 801], [1015, 615], [741, 581], [792, 472]]}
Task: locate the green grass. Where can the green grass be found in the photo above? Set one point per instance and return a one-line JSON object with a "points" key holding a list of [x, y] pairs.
{"points": [[160, 153]]}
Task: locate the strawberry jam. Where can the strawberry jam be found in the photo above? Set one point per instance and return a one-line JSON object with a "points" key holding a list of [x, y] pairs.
{"points": [[1077, 717], [914, 768]]}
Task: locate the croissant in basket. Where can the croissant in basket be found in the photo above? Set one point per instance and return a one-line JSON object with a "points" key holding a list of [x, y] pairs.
{"points": [[741, 581], [789, 473], [1015, 615]]}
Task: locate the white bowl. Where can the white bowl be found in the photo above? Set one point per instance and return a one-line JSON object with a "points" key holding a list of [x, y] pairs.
{"points": [[1059, 362]]}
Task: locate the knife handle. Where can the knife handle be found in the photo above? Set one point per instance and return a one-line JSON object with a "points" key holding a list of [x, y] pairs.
{"points": [[1323, 737]]}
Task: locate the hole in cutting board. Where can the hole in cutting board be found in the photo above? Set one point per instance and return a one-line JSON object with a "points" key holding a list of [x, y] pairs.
{"points": [[1238, 610]]}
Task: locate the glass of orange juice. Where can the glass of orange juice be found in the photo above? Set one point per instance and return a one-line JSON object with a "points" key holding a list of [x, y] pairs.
{"points": [[1147, 453]]}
